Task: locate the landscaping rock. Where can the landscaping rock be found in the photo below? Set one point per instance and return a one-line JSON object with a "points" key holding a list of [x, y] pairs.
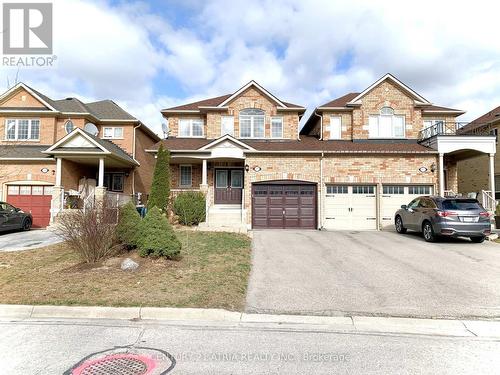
{"points": [[129, 265]]}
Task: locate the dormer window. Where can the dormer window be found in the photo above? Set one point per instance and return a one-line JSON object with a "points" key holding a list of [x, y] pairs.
{"points": [[387, 124], [191, 127], [252, 122]]}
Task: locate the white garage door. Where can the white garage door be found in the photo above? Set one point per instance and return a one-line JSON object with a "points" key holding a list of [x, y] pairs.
{"points": [[393, 196], [350, 207]]}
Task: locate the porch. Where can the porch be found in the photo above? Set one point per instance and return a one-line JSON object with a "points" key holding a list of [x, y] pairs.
{"points": [[455, 143]]}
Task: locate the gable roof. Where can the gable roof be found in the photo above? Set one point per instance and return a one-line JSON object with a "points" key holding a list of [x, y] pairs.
{"points": [[397, 82], [221, 101], [226, 137], [47, 102], [490, 117]]}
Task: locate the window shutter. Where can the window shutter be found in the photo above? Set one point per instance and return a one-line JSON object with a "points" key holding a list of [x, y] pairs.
{"points": [[373, 126]]}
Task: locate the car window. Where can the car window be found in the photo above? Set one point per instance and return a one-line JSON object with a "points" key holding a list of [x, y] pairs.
{"points": [[414, 203], [427, 203], [461, 204]]}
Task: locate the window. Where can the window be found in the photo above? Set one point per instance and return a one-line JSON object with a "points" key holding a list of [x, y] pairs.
{"points": [[24, 190], [22, 130], [221, 178], [191, 127], [339, 189], [185, 175], [227, 125], [386, 124], [427, 203], [252, 123], [393, 189], [113, 181], [13, 190], [335, 127], [69, 126], [414, 203], [429, 123], [112, 132], [277, 127], [363, 190], [236, 178], [461, 205], [37, 190], [421, 190]]}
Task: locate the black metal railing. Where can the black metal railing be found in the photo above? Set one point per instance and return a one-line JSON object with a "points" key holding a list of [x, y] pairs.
{"points": [[453, 128]]}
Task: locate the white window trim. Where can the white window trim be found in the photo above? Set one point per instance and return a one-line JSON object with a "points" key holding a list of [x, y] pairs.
{"points": [[330, 128], [392, 126], [271, 127], [113, 130], [16, 134], [252, 128], [433, 122], [180, 175], [221, 121], [191, 128]]}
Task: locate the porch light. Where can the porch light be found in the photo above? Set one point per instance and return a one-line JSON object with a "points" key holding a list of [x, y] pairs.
{"points": [[247, 167], [433, 167]]}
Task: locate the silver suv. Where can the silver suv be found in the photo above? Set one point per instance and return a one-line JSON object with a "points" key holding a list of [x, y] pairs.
{"points": [[438, 216]]}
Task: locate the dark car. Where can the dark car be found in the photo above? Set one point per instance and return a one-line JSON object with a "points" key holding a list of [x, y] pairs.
{"points": [[438, 216], [12, 218]]}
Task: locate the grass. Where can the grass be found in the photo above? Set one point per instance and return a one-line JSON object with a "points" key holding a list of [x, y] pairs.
{"points": [[212, 272]]}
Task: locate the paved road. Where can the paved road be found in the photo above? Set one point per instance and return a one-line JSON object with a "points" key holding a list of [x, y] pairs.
{"points": [[53, 347], [13, 241], [372, 273]]}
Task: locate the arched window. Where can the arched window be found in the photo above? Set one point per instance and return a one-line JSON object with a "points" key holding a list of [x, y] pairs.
{"points": [[68, 126], [252, 122], [387, 124], [386, 111]]}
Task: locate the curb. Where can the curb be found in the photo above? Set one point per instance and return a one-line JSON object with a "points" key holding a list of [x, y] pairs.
{"points": [[204, 317]]}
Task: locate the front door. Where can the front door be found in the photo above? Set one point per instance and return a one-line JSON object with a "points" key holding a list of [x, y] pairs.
{"points": [[228, 186]]}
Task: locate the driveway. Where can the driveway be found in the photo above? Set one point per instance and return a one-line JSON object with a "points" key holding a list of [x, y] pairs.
{"points": [[14, 241], [372, 273]]}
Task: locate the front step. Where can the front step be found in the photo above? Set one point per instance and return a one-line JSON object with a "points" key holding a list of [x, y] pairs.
{"points": [[225, 217]]}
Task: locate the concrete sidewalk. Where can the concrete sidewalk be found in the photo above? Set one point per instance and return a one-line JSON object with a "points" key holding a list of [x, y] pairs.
{"points": [[211, 317]]}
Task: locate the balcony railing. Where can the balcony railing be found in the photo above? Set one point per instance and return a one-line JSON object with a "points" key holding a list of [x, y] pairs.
{"points": [[453, 128]]}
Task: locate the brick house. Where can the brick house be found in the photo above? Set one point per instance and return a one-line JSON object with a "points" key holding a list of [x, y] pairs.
{"points": [[47, 160], [474, 173], [353, 163]]}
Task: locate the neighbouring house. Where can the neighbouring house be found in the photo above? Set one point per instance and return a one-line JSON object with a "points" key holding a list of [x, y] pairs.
{"points": [[474, 173], [56, 154], [353, 163]]}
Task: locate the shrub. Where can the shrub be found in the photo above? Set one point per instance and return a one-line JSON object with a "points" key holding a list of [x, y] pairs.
{"points": [[91, 233], [160, 187], [156, 236], [190, 207], [128, 225]]}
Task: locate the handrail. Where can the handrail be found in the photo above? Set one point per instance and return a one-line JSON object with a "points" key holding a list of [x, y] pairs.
{"points": [[489, 201], [453, 128]]}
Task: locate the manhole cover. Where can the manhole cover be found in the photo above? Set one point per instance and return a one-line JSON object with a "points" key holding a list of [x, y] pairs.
{"points": [[119, 364], [125, 361]]}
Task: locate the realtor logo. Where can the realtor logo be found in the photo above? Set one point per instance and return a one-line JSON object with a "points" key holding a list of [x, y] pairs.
{"points": [[27, 28]]}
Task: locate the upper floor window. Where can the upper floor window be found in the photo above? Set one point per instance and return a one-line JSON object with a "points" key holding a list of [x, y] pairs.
{"points": [[227, 125], [22, 130], [429, 123], [277, 127], [252, 123], [190, 127], [387, 124], [68, 126], [335, 127], [112, 132]]}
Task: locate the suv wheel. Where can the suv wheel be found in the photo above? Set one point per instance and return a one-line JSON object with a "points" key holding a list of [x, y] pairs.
{"points": [[26, 225], [399, 225], [428, 232], [479, 239]]}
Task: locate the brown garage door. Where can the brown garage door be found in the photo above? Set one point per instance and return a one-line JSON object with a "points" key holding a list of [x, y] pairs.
{"points": [[284, 204]]}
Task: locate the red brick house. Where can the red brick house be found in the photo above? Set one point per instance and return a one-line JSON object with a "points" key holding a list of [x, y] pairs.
{"points": [[46, 157], [353, 163]]}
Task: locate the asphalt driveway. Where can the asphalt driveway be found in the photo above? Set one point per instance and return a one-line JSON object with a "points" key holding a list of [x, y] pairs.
{"points": [[33, 239], [372, 273]]}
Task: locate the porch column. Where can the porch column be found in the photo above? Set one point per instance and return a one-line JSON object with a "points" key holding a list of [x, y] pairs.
{"points": [[492, 175], [441, 175], [204, 172], [58, 172], [100, 182]]}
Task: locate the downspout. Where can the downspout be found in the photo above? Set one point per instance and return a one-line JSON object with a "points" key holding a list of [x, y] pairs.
{"points": [[133, 156], [320, 125], [322, 186]]}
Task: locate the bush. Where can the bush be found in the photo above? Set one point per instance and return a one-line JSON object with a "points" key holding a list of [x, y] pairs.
{"points": [[156, 236], [91, 233], [190, 207], [128, 225], [160, 187]]}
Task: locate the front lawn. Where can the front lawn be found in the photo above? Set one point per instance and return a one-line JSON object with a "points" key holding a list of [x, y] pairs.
{"points": [[211, 273]]}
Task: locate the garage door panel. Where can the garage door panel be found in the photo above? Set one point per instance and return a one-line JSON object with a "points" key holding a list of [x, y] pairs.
{"points": [[287, 206], [30, 199], [260, 200]]}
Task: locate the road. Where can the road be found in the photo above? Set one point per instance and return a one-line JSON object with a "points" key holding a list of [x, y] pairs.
{"points": [[55, 346], [372, 273]]}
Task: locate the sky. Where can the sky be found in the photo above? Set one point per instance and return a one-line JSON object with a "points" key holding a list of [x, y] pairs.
{"points": [[149, 55]]}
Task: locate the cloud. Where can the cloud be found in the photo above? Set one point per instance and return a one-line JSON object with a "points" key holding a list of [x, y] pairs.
{"points": [[151, 55]]}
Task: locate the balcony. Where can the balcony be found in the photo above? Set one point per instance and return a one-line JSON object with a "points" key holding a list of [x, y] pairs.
{"points": [[442, 128]]}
